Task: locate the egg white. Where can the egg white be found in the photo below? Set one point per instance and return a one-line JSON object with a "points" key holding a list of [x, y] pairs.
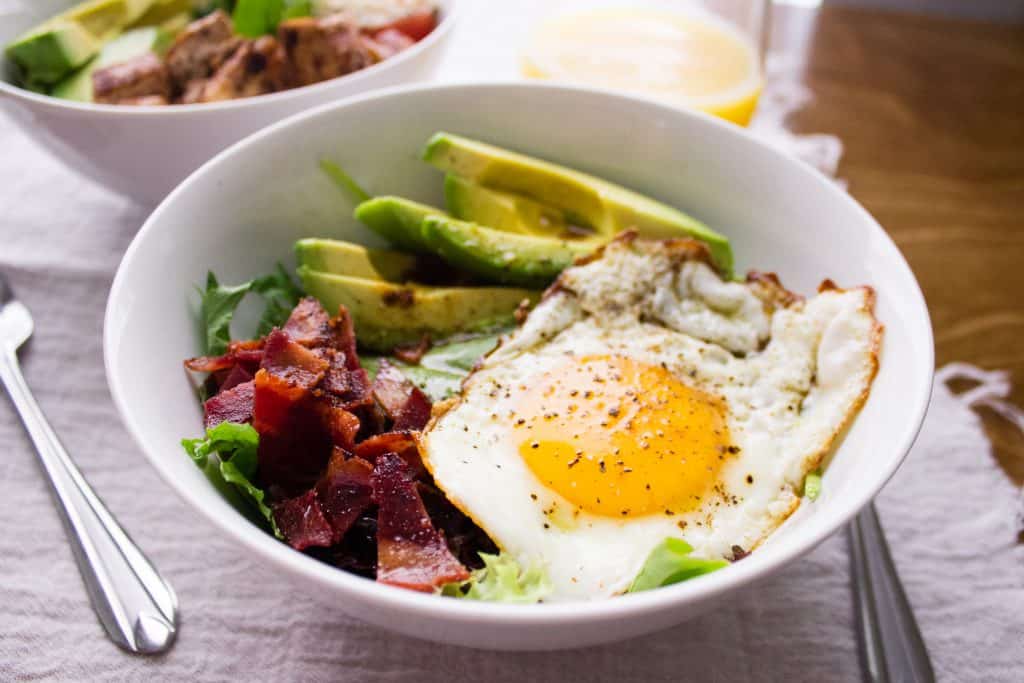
{"points": [[792, 373]]}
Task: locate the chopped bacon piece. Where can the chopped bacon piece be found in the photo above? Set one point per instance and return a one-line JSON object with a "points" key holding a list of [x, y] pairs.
{"points": [[344, 491], [345, 338], [413, 354], [249, 354], [235, 376], [411, 553], [295, 444], [349, 388], [402, 443], [309, 324], [302, 521], [231, 405], [292, 362], [341, 425], [401, 400]]}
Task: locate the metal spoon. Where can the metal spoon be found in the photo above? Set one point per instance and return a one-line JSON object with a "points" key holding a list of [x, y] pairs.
{"points": [[136, 606], [891, 645]]}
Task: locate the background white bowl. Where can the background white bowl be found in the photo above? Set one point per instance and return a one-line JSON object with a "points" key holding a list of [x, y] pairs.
{"points": [[143, 152], [241, 212]]}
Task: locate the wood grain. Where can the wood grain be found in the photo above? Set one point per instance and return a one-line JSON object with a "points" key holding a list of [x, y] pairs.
{"points": [[931, 113]]}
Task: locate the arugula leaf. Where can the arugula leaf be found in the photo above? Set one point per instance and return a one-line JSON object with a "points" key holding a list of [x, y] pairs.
{"points": [[812, 485], [278, 290], [501, 579], [459, 357], [227, 455], [344, 180], [670, 563], [281, 295], [218, 307]]}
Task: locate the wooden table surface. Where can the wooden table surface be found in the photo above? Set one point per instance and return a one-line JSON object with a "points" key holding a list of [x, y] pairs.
{"points": [[931, 114]]}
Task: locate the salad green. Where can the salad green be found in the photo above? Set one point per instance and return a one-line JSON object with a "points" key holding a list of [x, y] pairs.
{"points": [[227, 455], [501, 579], [669, 563]]}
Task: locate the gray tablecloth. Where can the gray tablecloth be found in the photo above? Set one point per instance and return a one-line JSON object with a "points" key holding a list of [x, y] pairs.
{"points": [[952, 517]]}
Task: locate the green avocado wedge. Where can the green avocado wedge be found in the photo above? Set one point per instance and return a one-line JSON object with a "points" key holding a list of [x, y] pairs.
{"points": [[505, 257], [354, 260], [58, 46], [397, 220], [606, 207], [128, 45], [387, 314], [506, 211]]}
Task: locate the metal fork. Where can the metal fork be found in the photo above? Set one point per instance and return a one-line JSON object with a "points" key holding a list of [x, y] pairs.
{"points": [[890, 642], [136, 606]]}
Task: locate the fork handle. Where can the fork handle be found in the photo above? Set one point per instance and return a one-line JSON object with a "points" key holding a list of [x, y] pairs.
{"points": [[891, 645], [136, 606]]}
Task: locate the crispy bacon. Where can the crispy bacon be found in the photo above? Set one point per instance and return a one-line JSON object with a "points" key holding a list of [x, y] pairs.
{"points": [[309, 324], [235, 376], [344, 491], [302, 521], [411, 553], [401, 400], [413, 353], [248, 354], [402, 443], [231, 405], [291, 361]]}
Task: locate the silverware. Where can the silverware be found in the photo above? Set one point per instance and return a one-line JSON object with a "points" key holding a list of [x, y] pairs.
{"points": [[136, 606], [891, 645]]}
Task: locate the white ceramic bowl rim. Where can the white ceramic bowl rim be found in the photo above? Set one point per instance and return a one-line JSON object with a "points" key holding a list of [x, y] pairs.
{"points": [[561, 614], [447, 21]]}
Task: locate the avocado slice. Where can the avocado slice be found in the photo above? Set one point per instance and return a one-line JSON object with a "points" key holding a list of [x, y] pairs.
{"points": [[386, 314], [506, 211], [354, 260], [160, 12], [49, 54], [128, 45], [397, 220], [58, 46], [505, 257], [599, 204]]}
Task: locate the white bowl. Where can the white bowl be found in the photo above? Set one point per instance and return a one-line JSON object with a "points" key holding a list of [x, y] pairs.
{"points": [[241, 212], [143, 152]]}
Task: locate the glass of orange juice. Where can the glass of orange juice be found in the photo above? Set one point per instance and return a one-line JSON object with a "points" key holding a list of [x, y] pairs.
{"points": [[704, 54]]}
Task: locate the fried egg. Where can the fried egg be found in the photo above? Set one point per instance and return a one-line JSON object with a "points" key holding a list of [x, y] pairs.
{"points": [[645, 397]]}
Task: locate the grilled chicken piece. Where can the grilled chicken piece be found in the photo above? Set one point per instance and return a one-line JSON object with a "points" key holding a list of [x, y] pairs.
{"points": [[142, 80], [257, 67], [201, 48], [320, 49]]}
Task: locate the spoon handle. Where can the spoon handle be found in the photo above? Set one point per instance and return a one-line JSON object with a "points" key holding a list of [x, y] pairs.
{"points": [[136, 606], [891, 645]]}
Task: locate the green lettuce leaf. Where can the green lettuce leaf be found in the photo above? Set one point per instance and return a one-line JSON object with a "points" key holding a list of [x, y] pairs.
{"points": [[812, 485], [278, 290], [281, 295], [227, 455], [218, 307], [441, 370], [344, 180], [670, 563], [501, 579]]}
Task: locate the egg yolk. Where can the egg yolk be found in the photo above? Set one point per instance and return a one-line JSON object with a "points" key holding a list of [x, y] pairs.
{"points": [[620, 438]]}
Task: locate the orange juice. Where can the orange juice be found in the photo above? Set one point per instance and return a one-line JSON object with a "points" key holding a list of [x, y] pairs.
{"points": [[689, 59]]}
